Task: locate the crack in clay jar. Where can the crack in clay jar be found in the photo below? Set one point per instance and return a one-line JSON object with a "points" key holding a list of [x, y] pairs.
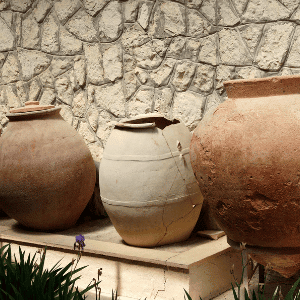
{"points": [[146, 180], [246, 158], [47, 174]]}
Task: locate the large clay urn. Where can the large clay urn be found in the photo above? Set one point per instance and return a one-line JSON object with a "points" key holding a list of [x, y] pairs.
{"points": [[47, 174], [246, 158], [147, 184]]}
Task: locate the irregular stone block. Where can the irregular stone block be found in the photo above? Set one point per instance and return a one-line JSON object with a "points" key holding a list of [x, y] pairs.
{"points": [[7, 16], [208, 50], [93, 58], [192, 49], [142, 102], [144, 13], [212, 102], [33, 62], [174, 18], [92, 116], [80, 71], [21, 6], [64, 89], [47, 79], [161, 75], [112, 62], [160, 46], [290, 4], [60, 65], [293, 59], [18, 28], [248, 73], [226, 14], [105, 125], [240, 5], [94, 6], [110, 21], [251, 34], [47, 97], [66, 113], [22, 88], [183, 75], [97, 152], [132, 37], [156, 25], [197, 24], [208, 9], [130, 84], [65, 9], [194, 3], [204, 79], [232, 49], [111, 98], [30, 33], [13, 100], [130, 10], [188, 107], [176, 48], [146, 57], [34, 90], [49, 42], [82, 26], [69, 44], [274, 45], [79, 105], [7, 39], [265, 11], [41, 10], [296, 16], [223, 73], [164, 101], [142, 75], [10, 70], [86, 132]]}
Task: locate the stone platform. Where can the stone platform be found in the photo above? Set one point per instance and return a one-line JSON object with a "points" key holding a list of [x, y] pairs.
{"points": [[198, 265]]}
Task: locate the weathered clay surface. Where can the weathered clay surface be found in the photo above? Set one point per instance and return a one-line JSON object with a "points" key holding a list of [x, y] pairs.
{"points": [[166, 201], [246, 160], [43, 160]]}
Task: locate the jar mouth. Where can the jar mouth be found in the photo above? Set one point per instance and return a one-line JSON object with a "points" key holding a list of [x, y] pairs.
{"points": [[32, 114], [149, 120], [263, 87]]}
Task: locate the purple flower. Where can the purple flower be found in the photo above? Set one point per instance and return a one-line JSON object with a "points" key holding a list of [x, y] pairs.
{"points": [[80, 241]]}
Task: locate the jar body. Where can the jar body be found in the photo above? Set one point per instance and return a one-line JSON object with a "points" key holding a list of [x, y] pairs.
{"points": [[47, 174], [246, 158], [148, 190]]}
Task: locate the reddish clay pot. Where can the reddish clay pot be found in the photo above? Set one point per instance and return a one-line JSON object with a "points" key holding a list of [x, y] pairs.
{"points": [[246, 158], [47, 174], [147, 183]]}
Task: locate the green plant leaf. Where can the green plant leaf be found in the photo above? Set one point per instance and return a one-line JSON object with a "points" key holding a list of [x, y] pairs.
{"points": [[290, 294], [187, 294], [234, 293]]}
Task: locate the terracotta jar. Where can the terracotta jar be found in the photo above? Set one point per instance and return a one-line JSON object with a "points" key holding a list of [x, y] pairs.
{"points": [[147, 184], [246, 158], [47, 174]]}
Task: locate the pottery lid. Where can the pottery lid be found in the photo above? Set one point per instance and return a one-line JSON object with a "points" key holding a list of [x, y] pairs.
{"points": [[31, 106]]}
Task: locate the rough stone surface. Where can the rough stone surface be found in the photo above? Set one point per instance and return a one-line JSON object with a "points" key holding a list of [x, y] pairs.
{"points": [[41, 10], [86, 132], [251, 35], [227, 15], [79, 105], [188, 107], [34, 90], [66, 8], [208, 10], [204, 78], [130, 10], [82, 26], [144, 13], [130, 84], [30, 33], [223, 73], [208, 50], [80, 71], [161, 75], [10, 69], [146, 56], [93, 57], [232, 49], [110, 21], [174, 18], [32, 62], [240, 5], [249, 73], [111, 98], [47, 97], [176, 48], [7, 39], [293, 59], [66, 113], [183, 75], [13, 100], [265, 10], [21, 6], [60, 65], [69, 44], [164, 101], [142, 102], [197, 24], [194, 3], [92, 116], [94, 6], [112, 62], [64, 89], [49, 41], [272, 51]]}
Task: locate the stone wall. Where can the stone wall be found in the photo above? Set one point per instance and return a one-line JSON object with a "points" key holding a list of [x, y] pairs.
{"points": [[102, 60]]}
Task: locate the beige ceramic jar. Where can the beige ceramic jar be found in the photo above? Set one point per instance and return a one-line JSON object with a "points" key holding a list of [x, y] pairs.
{"points": [[146, 181], [47, 174], [246, 158]]}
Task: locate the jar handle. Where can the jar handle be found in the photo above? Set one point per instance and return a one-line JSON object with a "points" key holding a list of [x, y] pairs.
{"points": [[135, 126]]}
